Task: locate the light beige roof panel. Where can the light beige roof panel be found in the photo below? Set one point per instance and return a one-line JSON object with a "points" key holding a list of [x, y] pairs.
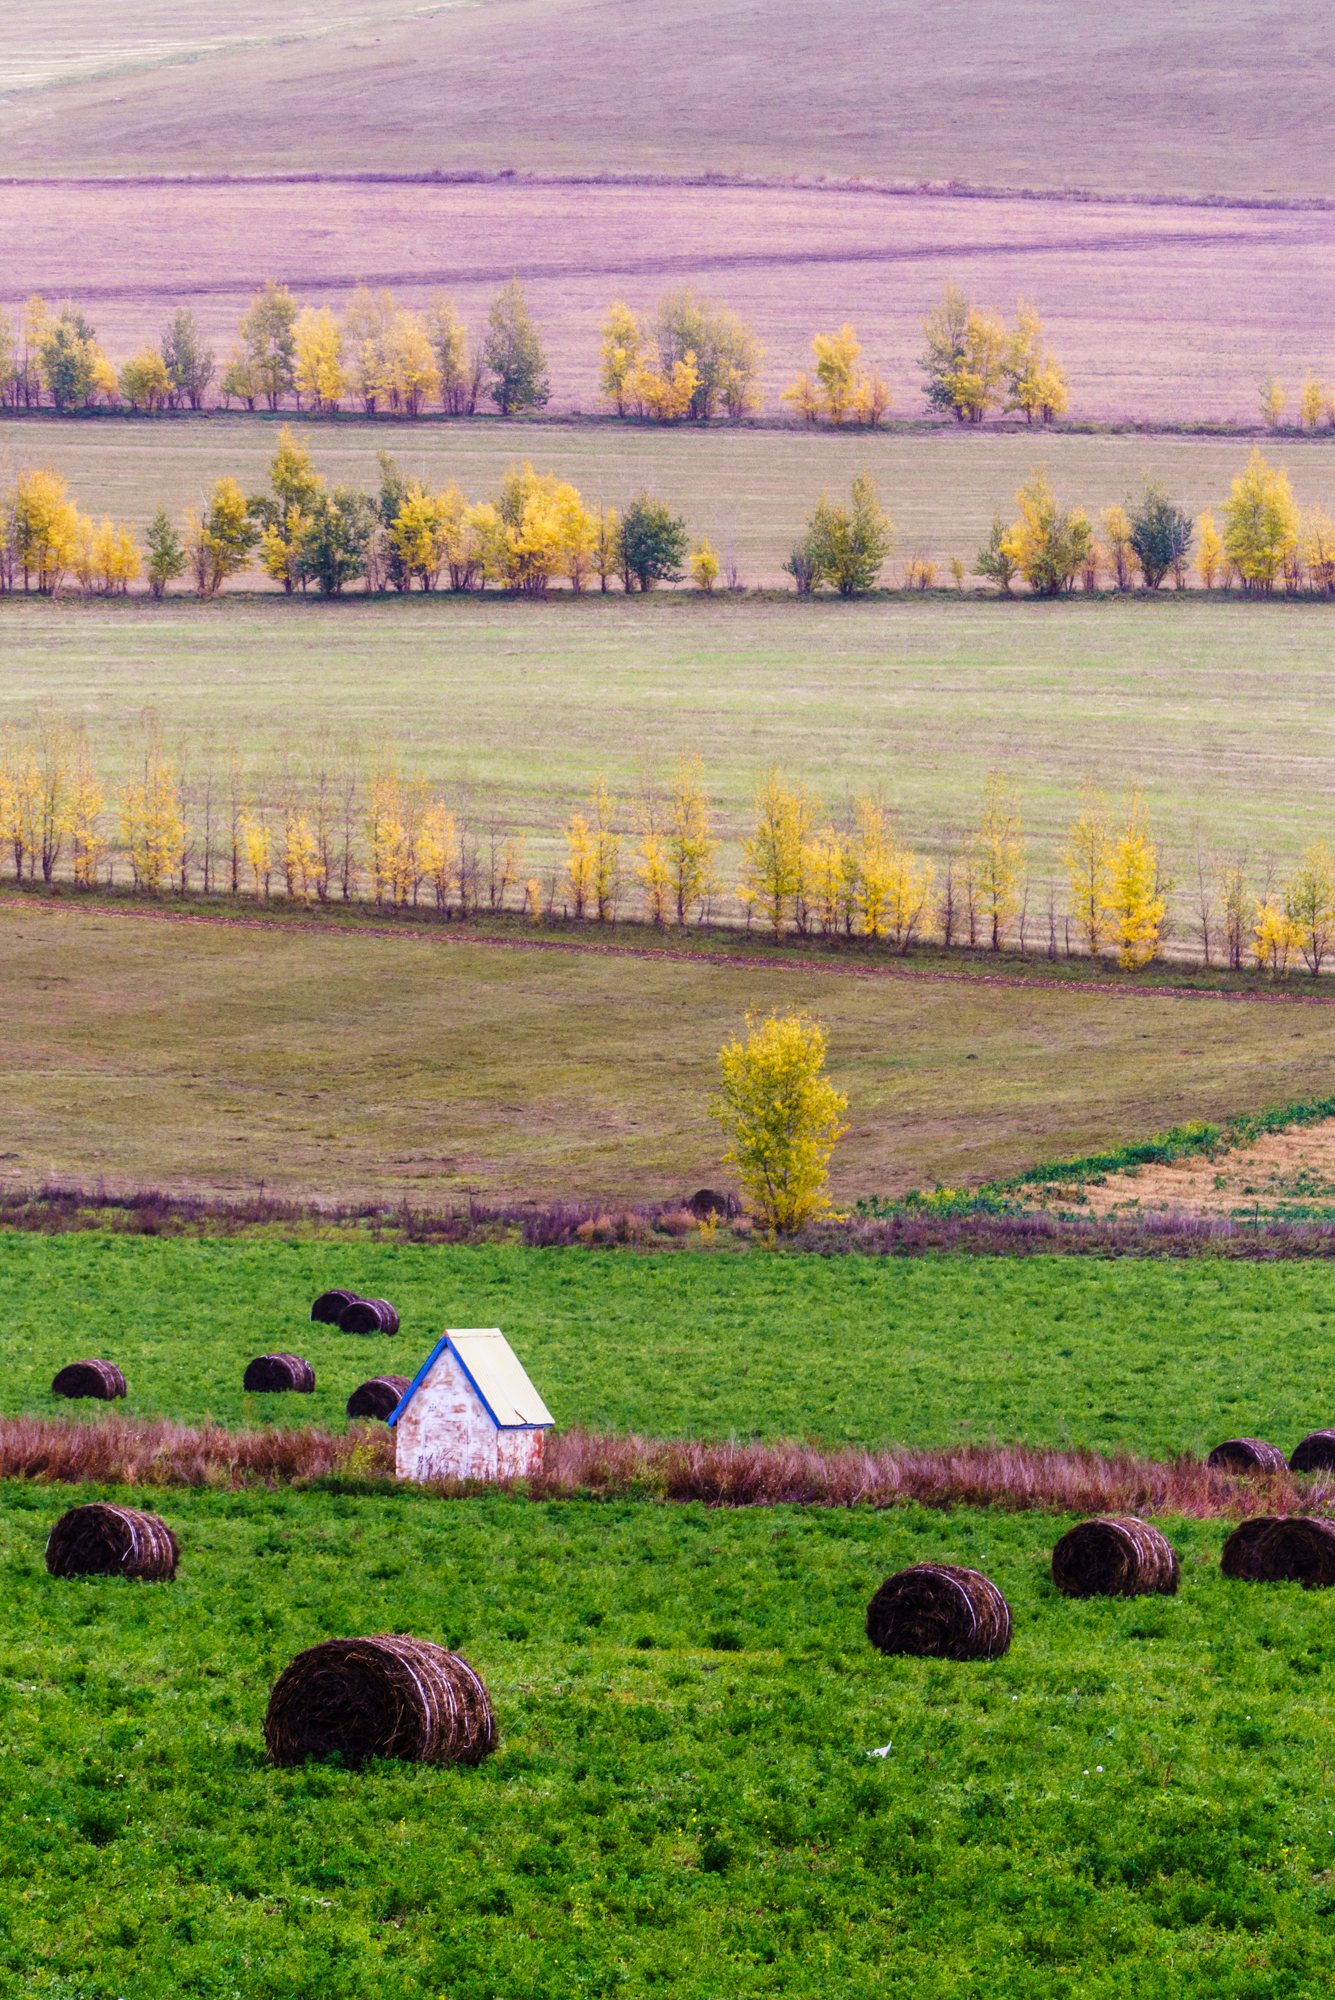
{"points": [[500, 1375]]}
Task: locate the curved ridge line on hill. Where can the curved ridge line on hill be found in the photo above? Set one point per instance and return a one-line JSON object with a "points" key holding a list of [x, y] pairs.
{"points": [[1295, 204], [666, 266], [732, 961]]}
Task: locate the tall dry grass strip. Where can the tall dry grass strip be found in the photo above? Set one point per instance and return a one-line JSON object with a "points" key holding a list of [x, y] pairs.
{"points": [[100, 1380], [379, 1397], [937, 1611], [1115, 1557], [1316, 1453], [386, 1696], [102, 1540], [1247, 1455], [272, 1374], [122, 1450]]}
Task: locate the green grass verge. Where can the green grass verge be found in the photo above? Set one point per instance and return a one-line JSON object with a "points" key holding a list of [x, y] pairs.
{"points": [[683, 1802], [1162, 1357]]}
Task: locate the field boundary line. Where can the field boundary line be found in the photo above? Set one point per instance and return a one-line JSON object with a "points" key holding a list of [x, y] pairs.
{"points": [[705, 179], [664, 954]]}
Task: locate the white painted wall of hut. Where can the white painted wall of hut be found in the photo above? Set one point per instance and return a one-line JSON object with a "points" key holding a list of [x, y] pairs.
{"points": [[447, 1432]]}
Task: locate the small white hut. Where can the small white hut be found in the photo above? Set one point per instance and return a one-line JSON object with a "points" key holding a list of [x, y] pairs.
{"points": [[470, 1412]]}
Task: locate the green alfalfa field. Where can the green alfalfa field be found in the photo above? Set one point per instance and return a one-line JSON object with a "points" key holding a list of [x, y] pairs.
{"points": [[684, 1800]]}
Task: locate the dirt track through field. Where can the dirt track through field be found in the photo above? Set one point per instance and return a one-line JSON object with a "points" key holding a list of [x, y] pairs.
{"points": [[664, 954]]}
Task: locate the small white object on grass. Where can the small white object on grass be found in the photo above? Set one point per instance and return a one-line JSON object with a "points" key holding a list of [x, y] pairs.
{"points": [[883, 1752]]}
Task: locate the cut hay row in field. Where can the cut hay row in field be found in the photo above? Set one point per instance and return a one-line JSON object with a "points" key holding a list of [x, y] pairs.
{"points": [[211, 1058], [1161, 314], [1200, 98]]}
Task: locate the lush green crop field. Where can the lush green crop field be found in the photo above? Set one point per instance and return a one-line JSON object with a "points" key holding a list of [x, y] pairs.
{"points": [[683, 1803], [165, 1054], [1061, 1351]]}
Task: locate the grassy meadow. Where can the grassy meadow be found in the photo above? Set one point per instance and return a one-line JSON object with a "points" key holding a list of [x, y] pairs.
{"points": [[409, 1067], [684, 1800], [1133, 100], [1158, 1357]]}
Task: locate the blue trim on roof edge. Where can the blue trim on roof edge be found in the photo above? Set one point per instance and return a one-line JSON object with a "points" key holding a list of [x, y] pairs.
{"points": [[425, 1370]]}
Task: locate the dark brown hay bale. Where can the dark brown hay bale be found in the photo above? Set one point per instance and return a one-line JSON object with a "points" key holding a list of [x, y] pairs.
{"points": [[708, 1201], [102, 1540], [329, 1305], [1316, 1453], [378, 1397], [1238, 1557], [1296, 1548], [1247, 1455], [939, 1612], [368, 1316], [102, 1379], [270, 1373], [1115, 1556], [386, 1696]]}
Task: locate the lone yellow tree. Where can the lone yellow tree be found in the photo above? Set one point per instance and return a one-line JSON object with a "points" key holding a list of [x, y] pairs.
{"points": [[780, 1114]]}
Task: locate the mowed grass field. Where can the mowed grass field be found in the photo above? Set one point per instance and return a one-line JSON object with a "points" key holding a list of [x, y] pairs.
{"points": [[1161, 313], [204, 1057], [684, 1800], [1157, 1357], [1204, 98]]}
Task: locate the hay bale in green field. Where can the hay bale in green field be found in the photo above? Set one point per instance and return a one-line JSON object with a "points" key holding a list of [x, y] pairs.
{"points": [[386, 1696], [1316, 1453], [378, 1397], [1115, 1555], [102, 1540], [1288, 1548], [938, 1611], [271, 1374], [1247, 1455], [101, 1380]]}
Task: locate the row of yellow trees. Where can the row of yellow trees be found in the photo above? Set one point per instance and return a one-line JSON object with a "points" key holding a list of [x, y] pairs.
{"points": [[325, 828], [1266, 540]]}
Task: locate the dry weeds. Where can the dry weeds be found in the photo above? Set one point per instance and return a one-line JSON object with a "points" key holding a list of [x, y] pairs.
{"points": [[124, 1452]]}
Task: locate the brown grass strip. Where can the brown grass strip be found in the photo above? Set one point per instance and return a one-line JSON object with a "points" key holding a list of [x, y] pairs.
{"points": [[127, 1451]]}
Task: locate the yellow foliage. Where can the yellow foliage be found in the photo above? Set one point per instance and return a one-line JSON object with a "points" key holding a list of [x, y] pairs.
{"points": [[1261, 525], [999, 857], [1318, 546], [619, 355], [45, 529], [773, 874], [319, 358], [704, 565], [1311, 401], [1209, 550], [804, 395], [1117, 542], [1135, 907], [1273, 399], [1274, 940], [1088, 857], [666, 398], [781, 1117], [144, 381], [152, 829]]}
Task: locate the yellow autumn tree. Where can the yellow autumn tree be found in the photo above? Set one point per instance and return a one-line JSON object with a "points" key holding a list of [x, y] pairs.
{"points": [[152, 829], [773, 877], [318, 367], [999, 858], [1209, 551], [781, 1117], [1088, 859], [1274, 939], [1311, 401], [619, 355], [1135, 905], [1309, 905], [1261, 525]]}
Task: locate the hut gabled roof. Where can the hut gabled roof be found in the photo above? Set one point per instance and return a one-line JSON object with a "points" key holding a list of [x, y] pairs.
{"points": [[496, 1373]]}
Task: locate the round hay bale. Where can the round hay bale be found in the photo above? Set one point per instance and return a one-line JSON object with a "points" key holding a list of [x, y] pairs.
{"points": [[708, 1201], [1238, 1557], [1247, 1455], [386, 1696], [1316, 1453], [102, 1540], [1296, 1548], [102, 1379], [368, 1316], [378, 1397], [268, 1374], [1115, 1555], [329, 1305], [937, 1611]]}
